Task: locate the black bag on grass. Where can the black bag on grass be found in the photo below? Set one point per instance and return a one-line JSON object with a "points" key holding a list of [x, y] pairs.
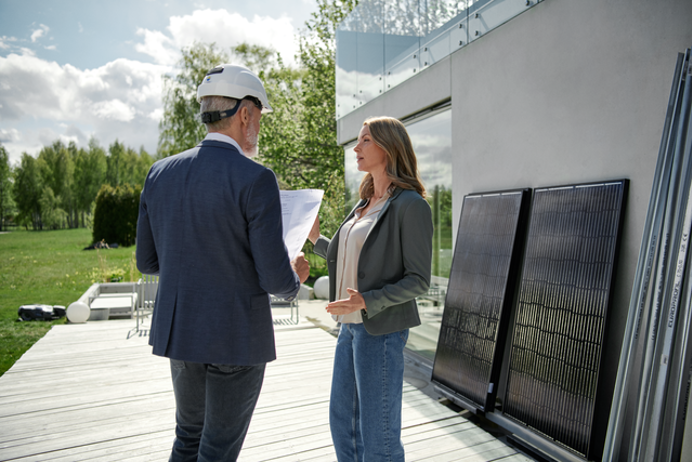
{"points": [[41, 312]]}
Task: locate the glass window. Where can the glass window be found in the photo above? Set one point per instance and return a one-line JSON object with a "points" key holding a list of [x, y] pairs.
{"points": [[382, 43], [432, 141]]}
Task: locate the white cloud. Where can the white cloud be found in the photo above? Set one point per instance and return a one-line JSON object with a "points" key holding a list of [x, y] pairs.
{"points": [[222, 27], [41, 101], [40, 32], [114, 110], [9, 135], [158, 46], [5, 42], [46, 136], [156, 114], [72, 132]]}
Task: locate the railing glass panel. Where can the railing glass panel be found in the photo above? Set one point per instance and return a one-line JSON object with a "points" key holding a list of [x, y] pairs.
{"points": [[382, 43]]}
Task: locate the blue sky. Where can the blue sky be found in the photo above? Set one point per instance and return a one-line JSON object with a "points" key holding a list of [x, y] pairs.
{"points": [[73, 69]]}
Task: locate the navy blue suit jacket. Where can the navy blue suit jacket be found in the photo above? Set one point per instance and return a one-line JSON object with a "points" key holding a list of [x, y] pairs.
{"points": [[210, 227]]}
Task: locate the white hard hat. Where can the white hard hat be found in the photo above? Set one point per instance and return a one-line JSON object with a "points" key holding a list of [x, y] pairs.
{"points": [[233, 81]]}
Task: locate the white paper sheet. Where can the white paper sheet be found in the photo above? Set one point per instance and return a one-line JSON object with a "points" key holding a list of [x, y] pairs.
{"points": [[298, 212]]}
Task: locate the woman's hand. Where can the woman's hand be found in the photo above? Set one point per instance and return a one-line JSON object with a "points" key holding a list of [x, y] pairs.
{"points": [[354, 302], [315, 231]]}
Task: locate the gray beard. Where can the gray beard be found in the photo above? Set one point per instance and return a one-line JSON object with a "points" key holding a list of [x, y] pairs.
{"points": [[252, 139]]}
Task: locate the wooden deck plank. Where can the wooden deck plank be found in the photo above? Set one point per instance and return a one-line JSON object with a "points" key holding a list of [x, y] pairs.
{"points": [[94, 392]]}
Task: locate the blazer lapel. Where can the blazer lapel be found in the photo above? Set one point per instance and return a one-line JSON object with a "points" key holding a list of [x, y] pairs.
{"points": [[394, 195]]}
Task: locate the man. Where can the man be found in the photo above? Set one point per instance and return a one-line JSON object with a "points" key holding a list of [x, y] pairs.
{"points": [[210, 226]]}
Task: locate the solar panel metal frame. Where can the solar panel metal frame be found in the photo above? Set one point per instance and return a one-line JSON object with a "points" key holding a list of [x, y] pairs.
{"points": [[486, 232], [563, 280]]}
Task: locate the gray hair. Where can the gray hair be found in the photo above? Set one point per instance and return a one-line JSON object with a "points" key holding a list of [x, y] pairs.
{"points": [[222, 103]]}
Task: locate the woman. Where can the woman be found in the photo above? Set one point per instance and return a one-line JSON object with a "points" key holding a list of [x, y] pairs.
{"points": [[378, 262]]}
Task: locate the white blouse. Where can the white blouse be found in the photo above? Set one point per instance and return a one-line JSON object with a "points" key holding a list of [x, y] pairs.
{"points": [[351, 239]]}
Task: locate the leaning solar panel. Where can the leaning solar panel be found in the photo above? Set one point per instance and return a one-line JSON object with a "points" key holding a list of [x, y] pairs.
{"points": [[563, 301], [479, 297]]}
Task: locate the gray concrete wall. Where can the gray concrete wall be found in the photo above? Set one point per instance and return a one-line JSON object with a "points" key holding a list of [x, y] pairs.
{"points": [[571, 92], [567, 92]]}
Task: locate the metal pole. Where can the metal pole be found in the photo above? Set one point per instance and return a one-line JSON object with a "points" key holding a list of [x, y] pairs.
{"points": [[678, 395], [660, 296], [651, 235], [669, 438], [669, 320]]}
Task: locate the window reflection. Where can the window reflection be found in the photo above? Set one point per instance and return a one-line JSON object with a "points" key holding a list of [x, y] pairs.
{"points": [[385, 42], [432, 142]]}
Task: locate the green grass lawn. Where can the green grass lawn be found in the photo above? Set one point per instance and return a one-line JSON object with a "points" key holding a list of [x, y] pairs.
{"points": [[49, 267]]}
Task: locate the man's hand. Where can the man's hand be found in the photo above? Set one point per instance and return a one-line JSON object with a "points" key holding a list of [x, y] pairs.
{"points": [[301, 266]]}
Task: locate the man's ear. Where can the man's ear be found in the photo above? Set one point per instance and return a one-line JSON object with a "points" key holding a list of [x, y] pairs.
{"points": [[244, 113]]}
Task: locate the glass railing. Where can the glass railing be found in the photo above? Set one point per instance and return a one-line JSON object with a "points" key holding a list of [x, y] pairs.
{"points": [[382, 43]]}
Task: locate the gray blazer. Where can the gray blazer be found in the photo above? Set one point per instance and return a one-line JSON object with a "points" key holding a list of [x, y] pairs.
{"points": [[210, 226], [394, 265]]}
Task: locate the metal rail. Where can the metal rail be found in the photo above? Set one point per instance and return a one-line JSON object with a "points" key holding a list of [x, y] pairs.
{"points": [[642, 391]]}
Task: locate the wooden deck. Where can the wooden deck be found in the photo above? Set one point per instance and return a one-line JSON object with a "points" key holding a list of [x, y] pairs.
{"points": [[94, 392]]}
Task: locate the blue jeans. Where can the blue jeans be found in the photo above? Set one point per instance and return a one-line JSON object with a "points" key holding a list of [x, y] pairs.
{"points": [[214, 407], [365, 403]]}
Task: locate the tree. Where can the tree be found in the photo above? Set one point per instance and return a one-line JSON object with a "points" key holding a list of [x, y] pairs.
{"points": [[115, 163], [144, 163], [299, 140], [256, 57], [180, 128], [53, 216], [126, 166], [6, 202], [56, 167], [27, 191], [89, 174], [58, 188]]}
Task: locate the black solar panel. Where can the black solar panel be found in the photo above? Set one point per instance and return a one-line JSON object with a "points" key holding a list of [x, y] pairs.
{"points": [[562, 308], [475, 320]]}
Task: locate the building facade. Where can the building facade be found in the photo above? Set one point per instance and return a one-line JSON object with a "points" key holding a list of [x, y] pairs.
{"points": [[506, 94]]}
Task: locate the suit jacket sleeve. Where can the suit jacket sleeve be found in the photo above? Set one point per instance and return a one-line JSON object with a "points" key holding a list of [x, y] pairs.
{"points": [[265, 231], [147, 258], [321, 246]]}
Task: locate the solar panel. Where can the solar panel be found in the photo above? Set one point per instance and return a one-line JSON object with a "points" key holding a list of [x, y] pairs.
{"points": [[479, 296], [561, 311]]}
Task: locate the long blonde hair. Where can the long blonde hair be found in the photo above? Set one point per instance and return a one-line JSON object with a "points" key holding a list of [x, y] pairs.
{"points": [[402, 167]]}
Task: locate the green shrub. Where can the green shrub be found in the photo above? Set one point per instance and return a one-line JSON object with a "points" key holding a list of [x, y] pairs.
{"points": [[115, 214]]}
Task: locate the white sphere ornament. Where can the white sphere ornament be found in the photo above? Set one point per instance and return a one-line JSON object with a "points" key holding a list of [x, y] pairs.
{"points": [[78, 312], [321, 288]]}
